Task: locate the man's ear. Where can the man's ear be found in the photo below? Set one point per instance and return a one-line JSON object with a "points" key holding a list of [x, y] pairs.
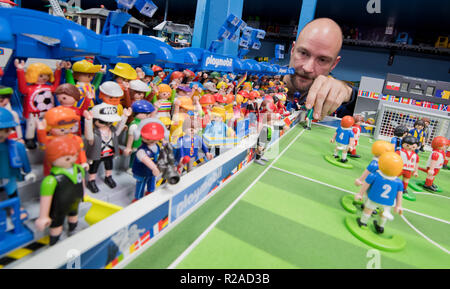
{"points": [[292, 49], [338, 59]]}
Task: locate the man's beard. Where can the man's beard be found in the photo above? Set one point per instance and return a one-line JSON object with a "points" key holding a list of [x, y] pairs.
{"points": [[301, 82]]}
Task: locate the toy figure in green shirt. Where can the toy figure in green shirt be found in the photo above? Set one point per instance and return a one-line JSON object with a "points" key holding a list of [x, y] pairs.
{"points": [[62, 190]]}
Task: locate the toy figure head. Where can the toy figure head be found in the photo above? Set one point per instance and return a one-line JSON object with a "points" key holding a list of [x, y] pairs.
{"points": [[189, 74], [197, 87], [7, 123], [379, 147], [60, 120], [67, 94], [207, 100], [39, 73], [247, 86], [158, 71], [183, 90], [110, 92], [5, 95], [62, 152], [410, 143], [177, 76], [185, 104], [152, 132], [123, 72], [84, 71], [400, 131], [439, 143], [420, 124], [218, 114], [426, 121], [359, 119], [222, 87], [138, 89], [105, 115], [142, 109], [390, 164], [347, 121], [148, 74], [164, 91], [191, 126]]}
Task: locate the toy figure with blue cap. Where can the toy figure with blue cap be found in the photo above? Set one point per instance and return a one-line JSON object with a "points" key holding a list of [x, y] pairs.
{"points": [[87, 77], [5, 102], [142, 109], [38, 97], [344, 138], [145, 74], [102, 143], [14, 159], [62, 191]]}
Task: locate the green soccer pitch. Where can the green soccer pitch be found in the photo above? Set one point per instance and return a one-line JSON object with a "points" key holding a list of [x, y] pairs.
{"points": [[288, 214]]}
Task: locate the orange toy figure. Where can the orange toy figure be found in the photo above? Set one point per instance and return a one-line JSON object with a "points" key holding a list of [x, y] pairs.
{"points": [[159, 74], [435, 162], [111, 93], [207, 101], [123, 74], [344, 138], [177, 76], [59, 121], [359, 119], [63, 190], [68, 95], [38, 94]]}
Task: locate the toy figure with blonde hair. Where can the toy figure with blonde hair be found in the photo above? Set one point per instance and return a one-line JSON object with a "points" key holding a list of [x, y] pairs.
{"points": [[87, 77], [163, 101], [33, 84], [62, 191]]}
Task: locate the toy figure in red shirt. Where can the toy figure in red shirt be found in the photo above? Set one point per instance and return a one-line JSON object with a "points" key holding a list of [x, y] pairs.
{"points": [[435, 162], [410, 163], [359, 119], [37, 93]]}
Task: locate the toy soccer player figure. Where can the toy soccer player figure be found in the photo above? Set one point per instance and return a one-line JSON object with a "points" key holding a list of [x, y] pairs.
{"points": [[344, 138], [14, 159], [144, 168], [102, 142], [384, 190], [38, 94], [87, 77], [359, 119], [265, 135], [435, 161], [379, 147], [5, 102], [447, 156], [427, 131], [63, 190], [410, 160], [419, 133], [399, 132], [190, 143]]}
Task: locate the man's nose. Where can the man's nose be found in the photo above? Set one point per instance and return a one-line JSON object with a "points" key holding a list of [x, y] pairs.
{"points": [[308, 67]]}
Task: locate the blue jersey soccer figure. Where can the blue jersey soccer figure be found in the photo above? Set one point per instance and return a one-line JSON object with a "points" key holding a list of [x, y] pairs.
{"points": [[399, 132], [378, 148], [344, 138], [384, 190], [419, 133]]}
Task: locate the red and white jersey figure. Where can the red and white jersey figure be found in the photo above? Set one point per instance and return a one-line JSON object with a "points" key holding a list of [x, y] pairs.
{"points": [[410, 160], [435, 161], [359, 119]]}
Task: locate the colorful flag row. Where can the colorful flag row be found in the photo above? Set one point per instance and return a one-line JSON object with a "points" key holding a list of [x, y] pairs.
{"points": [[404, 100]]}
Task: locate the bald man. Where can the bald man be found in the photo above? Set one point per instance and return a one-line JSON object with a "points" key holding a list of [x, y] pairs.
{"points": [[313, 56]]}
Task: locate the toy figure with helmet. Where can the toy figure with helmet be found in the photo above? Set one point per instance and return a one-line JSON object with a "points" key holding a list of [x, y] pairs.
{"points": [[62, 190], [68, 95], [111, 93], [138, 90], [38, 94]]}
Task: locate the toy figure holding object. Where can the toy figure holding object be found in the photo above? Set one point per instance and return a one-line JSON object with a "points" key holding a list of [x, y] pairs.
{"points": [[63, 190], [383, 189], [344, 138], [410, 163], [435, 162], [14, 159], [38, 94]]}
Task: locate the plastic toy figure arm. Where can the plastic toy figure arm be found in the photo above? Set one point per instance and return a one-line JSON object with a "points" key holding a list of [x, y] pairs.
{"points": [[362, 192], [333, 138], [97, 80], [23, 87], [88, 127], [48, 186], [130, 139], [123, 121], [398, 204], [69, 76], [57, 77], [359, 181]]}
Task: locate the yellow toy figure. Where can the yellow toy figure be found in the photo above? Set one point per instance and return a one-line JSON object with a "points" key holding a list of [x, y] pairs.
{"points": [[222, 87], [82, 76], [186, 107], [123, 74]]}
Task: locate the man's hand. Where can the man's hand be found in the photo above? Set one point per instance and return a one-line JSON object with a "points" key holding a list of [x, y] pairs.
{"points": [[326, 95]]}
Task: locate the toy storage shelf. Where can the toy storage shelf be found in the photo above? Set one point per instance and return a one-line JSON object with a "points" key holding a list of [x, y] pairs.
{"points": [[398, 48]]}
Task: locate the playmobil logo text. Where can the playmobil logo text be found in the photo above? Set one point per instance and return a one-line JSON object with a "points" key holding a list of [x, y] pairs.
{"points": [[216, 62], [193, 198]]}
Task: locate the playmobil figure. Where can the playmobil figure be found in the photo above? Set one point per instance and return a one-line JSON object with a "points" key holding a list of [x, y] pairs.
{"points": [[5, 102], [62, 190], [123, 74], [265, 135], [447, 156], [384, 190], [207, 101], [308, 117], [102, 140], [410, 160], [14, 159], [68, 95], [217, 129], [145, 74], [142, 109], [111, 93], [359, 119], [344, 138], [379, 147], [190, 143], [399, 132], [435, 162], [210, 87], [38, 94], [87, 78], [419, 133], [185, 108], [164, 101], [59, 121], [138, 90], [427, 131], [159, 74]]}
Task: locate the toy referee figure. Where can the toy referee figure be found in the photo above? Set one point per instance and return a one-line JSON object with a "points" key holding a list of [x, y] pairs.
{"points": [[102, 142]]}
